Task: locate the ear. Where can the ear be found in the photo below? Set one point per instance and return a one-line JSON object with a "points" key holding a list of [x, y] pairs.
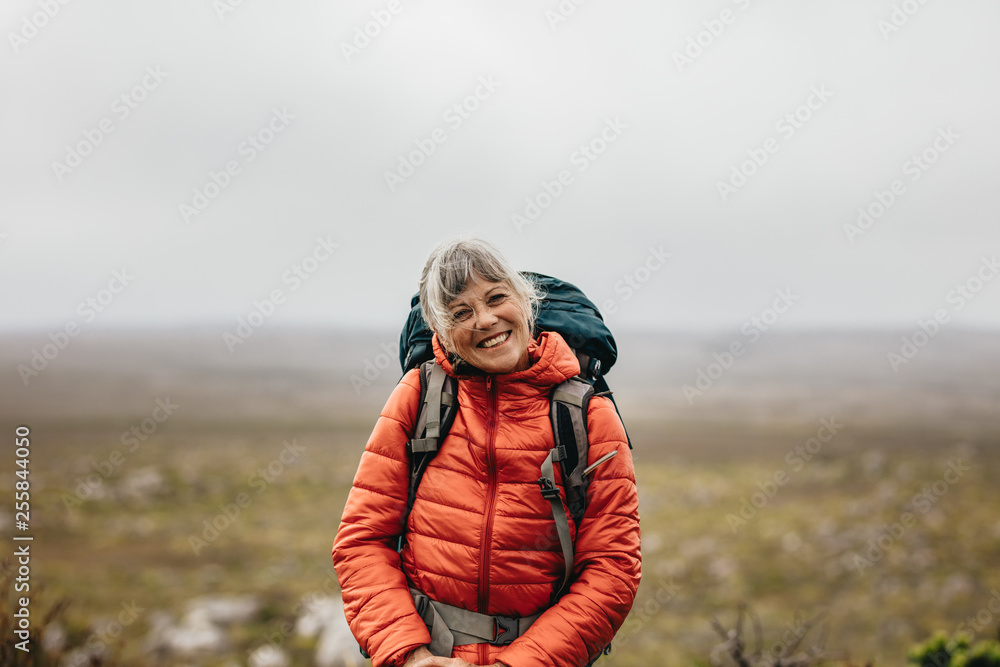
{"points": [[445, 343]]}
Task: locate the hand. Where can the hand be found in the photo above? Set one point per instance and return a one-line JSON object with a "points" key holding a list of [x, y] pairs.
{"points": [[435, 661], [419, 654], [424, 658]]}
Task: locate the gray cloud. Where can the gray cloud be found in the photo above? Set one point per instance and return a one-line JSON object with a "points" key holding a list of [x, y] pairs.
{"points": [[687, 125]]}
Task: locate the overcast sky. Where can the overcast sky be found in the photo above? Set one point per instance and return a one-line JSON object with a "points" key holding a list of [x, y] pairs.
{"points": [[716, 153]]}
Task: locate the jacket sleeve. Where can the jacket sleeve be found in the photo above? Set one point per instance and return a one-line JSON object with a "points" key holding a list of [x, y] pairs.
{"points": [[606, 566], [376, 596]]}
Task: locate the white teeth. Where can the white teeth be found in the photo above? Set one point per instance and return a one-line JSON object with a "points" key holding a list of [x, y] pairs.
{"points": [[496, 341]]}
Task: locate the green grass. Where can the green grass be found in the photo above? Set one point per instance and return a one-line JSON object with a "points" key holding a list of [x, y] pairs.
{"points": [[794, 556]]}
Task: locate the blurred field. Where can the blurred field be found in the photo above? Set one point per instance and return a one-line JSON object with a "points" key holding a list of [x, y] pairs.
{"points": [[794, 550]]}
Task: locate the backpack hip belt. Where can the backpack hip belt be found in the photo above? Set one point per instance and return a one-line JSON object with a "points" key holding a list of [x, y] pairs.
{"points": [[452, 626]]}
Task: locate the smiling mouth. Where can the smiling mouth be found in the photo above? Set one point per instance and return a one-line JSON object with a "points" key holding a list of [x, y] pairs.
{"points": [[495, 340]]}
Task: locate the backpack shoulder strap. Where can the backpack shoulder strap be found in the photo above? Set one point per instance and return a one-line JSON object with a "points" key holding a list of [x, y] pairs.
{"points": [[437, 396], [435, 414], [568, 414]]}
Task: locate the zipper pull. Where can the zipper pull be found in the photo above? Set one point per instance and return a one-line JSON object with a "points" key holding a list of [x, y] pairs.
{"points": [[489, 382]]}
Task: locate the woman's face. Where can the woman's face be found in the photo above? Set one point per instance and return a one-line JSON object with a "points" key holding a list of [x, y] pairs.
{"points": [[490, 327]]}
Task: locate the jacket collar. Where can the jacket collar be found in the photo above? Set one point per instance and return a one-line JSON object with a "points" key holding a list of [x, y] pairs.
{"points": [[552, 361]]}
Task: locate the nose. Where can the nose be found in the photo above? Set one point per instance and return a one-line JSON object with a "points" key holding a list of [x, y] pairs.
{"points": [[485, 317]]}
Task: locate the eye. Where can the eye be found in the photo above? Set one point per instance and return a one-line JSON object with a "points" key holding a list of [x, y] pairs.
{"points": [[461, 314], [497, 298]]}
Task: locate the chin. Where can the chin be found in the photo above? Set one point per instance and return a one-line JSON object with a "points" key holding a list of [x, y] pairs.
{"points": [[500, 369], [508, 364]]}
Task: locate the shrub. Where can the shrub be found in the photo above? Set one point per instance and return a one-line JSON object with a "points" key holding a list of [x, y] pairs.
{"points": [[944, 651]]}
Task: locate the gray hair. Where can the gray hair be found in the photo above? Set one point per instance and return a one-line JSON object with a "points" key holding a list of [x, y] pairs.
{"points": [[448, 270]]}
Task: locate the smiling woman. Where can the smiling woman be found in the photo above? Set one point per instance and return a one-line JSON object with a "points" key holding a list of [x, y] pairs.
{"points": [[490, 327], [470, 295], [489, 570]]}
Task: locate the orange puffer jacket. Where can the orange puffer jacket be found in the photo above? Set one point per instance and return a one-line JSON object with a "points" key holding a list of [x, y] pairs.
{"points": [[480, 536]]}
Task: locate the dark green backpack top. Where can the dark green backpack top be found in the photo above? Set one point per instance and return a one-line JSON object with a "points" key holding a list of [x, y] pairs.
{"points": [[564, 309]]}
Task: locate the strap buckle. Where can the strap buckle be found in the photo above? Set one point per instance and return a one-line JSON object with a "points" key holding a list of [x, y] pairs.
{"points": [[504, 629], [549, 490]]}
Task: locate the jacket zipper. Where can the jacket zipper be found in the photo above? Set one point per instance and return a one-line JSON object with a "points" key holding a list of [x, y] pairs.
{"points": [[491, 469]]}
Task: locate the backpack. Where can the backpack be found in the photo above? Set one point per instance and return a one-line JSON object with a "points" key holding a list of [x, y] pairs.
{"points": [[566, 310]]}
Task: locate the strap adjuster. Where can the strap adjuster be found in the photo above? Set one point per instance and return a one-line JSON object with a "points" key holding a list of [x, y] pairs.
{"points": [[593, 369], [549, 490], [421, 602], [505, 630]]}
